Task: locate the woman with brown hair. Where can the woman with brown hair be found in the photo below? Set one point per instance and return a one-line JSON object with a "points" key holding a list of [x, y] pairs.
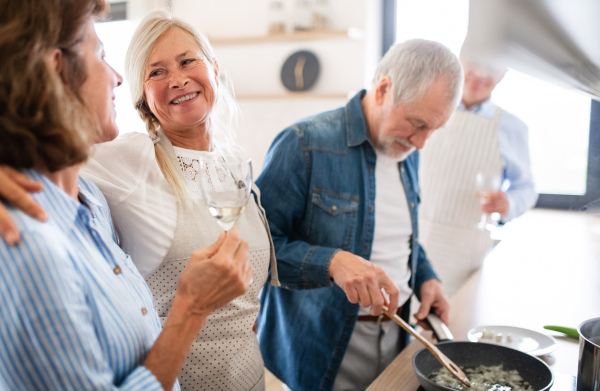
{"points": [[76, 312], [151, 183]]}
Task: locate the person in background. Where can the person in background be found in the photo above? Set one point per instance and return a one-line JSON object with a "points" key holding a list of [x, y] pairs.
{"points": [[341, 194], [76, 313], [478, 163]]}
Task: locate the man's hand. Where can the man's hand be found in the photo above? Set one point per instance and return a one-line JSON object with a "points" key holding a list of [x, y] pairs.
{"points": [[215, 275], [432, 297], [363, 282], [14, 188], [494, 201]]}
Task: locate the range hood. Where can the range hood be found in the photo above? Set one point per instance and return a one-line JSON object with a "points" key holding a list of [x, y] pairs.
{"points": [[554, 40]]}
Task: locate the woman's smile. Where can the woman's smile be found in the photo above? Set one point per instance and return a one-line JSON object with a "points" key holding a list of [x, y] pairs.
{"points": [[184, 98]]}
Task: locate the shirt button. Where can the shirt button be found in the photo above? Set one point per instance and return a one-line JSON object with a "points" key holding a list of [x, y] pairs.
{"points": [[416, 240], [117, 270], [412, 204], [371, 208], [402, 169], [334, 208], [144, 311], [367, 246]]}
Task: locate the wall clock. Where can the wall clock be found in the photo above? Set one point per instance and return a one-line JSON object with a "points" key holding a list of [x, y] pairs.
{"points": [[300, 71]]}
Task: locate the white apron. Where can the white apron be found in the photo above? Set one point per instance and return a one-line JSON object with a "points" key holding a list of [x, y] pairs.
{"points": [[449, 211], [225, 355]]}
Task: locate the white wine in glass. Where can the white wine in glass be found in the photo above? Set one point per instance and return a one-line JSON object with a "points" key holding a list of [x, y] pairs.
{"points": [[226, 186], [226, 215]]}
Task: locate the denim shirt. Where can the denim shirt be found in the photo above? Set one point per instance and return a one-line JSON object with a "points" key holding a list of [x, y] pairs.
{"points": [[318, 190]]}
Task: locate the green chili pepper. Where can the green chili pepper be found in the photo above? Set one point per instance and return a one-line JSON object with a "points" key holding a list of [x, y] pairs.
{"points": [[571, 332]]}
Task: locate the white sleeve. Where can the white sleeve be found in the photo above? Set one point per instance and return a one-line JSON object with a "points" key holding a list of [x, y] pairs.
{"points": [[513, 139], [143, 208]]}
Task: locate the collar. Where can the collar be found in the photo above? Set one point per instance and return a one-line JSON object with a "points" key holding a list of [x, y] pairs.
{"points": [[61, 207], [486, 109], [356, 125], [87, 197]]}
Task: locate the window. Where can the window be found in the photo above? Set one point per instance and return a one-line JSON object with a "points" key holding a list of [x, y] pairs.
{"points": [[116, 37], [559, 120]]}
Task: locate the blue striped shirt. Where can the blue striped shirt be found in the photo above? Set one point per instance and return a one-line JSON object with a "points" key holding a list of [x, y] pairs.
{"points": [[75, 314]]}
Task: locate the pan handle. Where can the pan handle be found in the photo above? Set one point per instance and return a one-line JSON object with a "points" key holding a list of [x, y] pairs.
{"points": [[440, 330]]}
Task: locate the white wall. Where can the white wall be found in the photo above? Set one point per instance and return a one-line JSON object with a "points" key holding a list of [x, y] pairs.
{"points": [[234, 18]]}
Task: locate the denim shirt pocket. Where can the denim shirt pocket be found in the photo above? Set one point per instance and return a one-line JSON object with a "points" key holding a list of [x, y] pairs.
{"points": [[333, 218]]}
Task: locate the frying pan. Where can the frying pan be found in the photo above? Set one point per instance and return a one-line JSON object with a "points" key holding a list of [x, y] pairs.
{"points": [[472, 354]]}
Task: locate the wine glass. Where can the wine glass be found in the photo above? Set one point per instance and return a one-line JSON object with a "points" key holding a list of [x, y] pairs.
{"points": [[226, 186], [484, 184]]}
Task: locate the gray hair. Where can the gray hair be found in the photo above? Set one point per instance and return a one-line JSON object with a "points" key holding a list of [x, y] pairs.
{"points": [[225, 110], [414, 65]]}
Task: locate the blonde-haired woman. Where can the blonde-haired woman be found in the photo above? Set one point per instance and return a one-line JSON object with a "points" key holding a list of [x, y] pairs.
{"points": [[151, 184]]}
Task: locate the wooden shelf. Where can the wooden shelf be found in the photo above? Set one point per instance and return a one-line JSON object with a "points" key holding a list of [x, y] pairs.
{"points": [[351, 33], [291, 95]]}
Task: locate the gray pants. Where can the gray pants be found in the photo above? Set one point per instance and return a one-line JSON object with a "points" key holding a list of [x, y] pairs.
{"points": [[371, 349]]}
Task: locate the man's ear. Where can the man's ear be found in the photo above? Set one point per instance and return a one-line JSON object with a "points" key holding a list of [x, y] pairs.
{"points": [[383, 90], [55, 59]]}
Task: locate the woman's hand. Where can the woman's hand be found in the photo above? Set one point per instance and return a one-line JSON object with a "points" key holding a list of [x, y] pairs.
{"points": [[216, 274], [15, 188], [212, 278]]}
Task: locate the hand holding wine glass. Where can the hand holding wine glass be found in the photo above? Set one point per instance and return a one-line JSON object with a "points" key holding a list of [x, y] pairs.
{"points": [[226, 187]]}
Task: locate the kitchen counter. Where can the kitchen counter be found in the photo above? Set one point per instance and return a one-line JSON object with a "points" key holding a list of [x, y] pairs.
{"points": [[546, 270]]}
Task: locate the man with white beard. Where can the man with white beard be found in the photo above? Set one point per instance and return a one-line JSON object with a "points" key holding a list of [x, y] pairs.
{"points": [[341, 194]]}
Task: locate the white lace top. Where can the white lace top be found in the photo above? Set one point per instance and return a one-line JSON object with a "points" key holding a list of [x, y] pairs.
{"points": [[189, 163]]}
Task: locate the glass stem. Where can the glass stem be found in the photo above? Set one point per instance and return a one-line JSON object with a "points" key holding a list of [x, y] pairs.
{"points": [[483, 221]]}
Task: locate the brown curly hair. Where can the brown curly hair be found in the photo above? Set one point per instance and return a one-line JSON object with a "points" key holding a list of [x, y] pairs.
{"points": [[43, 121]]}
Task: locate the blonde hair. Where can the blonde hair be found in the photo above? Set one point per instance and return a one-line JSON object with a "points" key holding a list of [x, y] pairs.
{"points": [[225, 110]]}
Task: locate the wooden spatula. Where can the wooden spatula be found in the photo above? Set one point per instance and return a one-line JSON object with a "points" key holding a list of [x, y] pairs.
{"points": [[441, 357]]}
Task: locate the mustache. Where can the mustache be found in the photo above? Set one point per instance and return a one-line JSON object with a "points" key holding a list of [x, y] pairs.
{"points": [[404, 142]]}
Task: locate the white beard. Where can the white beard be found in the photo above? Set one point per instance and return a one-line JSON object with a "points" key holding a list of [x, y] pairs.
{"points": [[387, 149]]}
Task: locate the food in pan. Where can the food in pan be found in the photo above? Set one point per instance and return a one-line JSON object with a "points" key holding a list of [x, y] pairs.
{"points": [[483, 378]]}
